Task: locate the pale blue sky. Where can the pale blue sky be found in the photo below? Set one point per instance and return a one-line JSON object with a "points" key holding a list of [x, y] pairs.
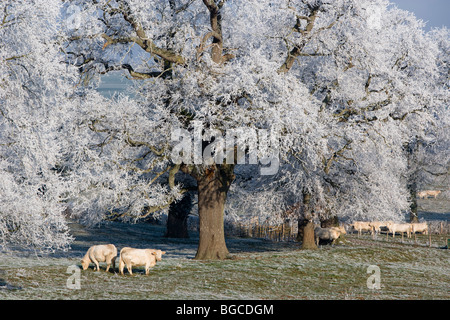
{"points": [[435, 12]]}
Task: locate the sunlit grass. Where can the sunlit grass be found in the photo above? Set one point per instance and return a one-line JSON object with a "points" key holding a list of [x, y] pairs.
{"points": [[274, 271]]}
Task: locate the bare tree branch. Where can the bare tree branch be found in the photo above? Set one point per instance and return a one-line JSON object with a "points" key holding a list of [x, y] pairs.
{"points": [[216, 25], [141, 38]]}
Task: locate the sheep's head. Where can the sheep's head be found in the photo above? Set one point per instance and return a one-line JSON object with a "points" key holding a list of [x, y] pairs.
{"points": [[158, 254], [85, 263]]}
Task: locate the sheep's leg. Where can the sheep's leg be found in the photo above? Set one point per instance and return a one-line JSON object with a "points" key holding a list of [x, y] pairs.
{"points": [[110, 259], [130, 268], [121, 266], [97, 267], [108, 264]]}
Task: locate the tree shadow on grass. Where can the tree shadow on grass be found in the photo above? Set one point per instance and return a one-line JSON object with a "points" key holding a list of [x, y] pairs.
{"points": [[145, 235]]}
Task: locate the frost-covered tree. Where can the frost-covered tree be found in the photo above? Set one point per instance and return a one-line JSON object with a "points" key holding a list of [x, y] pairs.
{"points": [[202, 74], [375, 70], [340, 84], [33, 88], [430, 153]]}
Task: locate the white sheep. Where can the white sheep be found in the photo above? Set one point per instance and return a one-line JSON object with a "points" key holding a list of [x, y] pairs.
{"points": [[327, 234], [419, 227], [376, 225], [399, 227], [100, 253], [361, 226], [426, 193], [139, 257], [340, 229]]}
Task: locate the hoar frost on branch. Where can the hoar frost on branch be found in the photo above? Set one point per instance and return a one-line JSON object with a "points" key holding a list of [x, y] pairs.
{"points": [[344, 84], [33, 94]]}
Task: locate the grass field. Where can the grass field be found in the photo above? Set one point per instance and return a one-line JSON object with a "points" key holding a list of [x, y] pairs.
{"points": [[258, 270]]}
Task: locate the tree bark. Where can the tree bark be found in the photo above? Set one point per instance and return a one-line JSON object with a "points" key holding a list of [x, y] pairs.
{"points": [[332, 221], [413, 215], [215, 18], [178, 216], [301, 227], [411, 148], [297, 50], [306, 225], [309, 241], [213, 186]]}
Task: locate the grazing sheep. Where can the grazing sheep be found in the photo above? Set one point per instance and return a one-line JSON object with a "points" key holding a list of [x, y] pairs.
{"points": [[377, 225], [340, 229], [422, 194], [419, 227], [399, 227], [139, 257], [426, 193], [100, 253], [361, 226], [327, 234]]}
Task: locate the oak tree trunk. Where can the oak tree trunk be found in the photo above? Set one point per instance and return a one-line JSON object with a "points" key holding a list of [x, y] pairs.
{"points": [[301, 227], [306, 225], [413, 215], [213, 187], [330, 222], [177, 218], [411, 148], [309, 241]]}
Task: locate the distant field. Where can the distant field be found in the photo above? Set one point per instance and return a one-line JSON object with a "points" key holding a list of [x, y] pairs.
{"points": [[440, 205], [259, 270]]}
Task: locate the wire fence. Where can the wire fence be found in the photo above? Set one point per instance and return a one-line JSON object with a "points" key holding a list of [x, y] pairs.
{"points": [[282, 232], [288, 231]]}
